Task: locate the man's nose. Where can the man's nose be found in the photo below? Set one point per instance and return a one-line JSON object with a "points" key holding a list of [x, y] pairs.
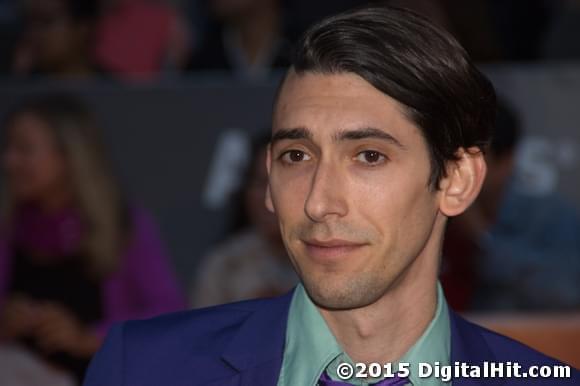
{"points": [[326, 197]]}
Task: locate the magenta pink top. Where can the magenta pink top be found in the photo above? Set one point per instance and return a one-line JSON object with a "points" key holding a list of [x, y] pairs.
{"points": [[142, 287]]}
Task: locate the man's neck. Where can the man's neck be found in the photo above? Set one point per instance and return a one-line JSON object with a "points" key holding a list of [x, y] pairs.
{"points": [[385, 330]]}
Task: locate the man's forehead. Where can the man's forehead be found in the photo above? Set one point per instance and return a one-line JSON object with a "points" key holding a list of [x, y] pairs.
{"points": [[321, 84], [335, 102]]}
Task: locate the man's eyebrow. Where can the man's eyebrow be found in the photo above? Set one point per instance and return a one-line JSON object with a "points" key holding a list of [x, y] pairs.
{"points": [[296, 133], [367, 132]]}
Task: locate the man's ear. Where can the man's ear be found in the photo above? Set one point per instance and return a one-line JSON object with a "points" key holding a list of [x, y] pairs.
{"points": [[269, 203], [463, 182]]}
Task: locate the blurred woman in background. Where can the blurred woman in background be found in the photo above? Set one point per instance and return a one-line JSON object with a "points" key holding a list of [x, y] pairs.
{"points": [[74, 256]]}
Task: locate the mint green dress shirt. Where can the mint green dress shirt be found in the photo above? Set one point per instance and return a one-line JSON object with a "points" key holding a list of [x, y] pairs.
{"points": [[311, 348]]}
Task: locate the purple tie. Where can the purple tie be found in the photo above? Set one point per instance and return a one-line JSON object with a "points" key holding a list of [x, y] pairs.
{"points": [[395, 381]]}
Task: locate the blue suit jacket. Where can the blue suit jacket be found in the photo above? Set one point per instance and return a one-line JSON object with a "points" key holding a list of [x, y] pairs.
{"points": [[242, 344]]}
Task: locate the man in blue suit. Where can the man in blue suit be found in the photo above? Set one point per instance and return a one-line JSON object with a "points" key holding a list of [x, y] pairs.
{"points": [[378, 135]]}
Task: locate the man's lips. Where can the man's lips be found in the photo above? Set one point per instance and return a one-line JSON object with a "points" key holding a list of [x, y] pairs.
{"points": [[330, 249]]}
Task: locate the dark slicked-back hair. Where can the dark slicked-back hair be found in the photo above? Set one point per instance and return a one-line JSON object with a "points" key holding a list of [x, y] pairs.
{"points": [[422, 67]]}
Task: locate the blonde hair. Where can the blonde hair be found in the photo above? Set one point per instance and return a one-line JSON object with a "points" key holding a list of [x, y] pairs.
{"points": [[96, 192]]}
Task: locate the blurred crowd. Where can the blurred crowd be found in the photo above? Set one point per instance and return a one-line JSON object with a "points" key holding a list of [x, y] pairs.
{"points": [[137, 40], [77, 254]]}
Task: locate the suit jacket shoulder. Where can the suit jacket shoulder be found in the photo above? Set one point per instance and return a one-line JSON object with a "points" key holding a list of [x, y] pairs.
{"points": [[235, 344], [242, 344], [475, 345]]}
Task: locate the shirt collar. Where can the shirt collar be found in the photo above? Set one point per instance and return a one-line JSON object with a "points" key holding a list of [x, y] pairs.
{"points": [[311, 347]]}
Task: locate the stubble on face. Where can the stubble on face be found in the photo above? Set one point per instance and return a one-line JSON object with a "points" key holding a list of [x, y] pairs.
{"points": [[330, 287]]}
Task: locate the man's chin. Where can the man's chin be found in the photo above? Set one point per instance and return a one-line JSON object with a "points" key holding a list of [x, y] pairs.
{"points": [[341, 297]]}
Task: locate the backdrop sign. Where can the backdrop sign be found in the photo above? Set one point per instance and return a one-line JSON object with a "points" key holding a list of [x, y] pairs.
{"points": [[180, 148]]}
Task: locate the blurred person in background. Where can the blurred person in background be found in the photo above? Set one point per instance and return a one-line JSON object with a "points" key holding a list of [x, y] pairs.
{"points": [[512, 250], [249, 39], [253, 262], [141, 39], [75, 257], [462, 242], [57, 39]]}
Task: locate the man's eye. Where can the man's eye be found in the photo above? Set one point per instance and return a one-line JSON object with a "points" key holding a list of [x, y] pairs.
{"points": [[371, 157], [294, 156]]}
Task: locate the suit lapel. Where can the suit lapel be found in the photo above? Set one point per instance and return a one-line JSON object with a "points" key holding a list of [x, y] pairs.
{"points": [[257, 349], [469, 346]]}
